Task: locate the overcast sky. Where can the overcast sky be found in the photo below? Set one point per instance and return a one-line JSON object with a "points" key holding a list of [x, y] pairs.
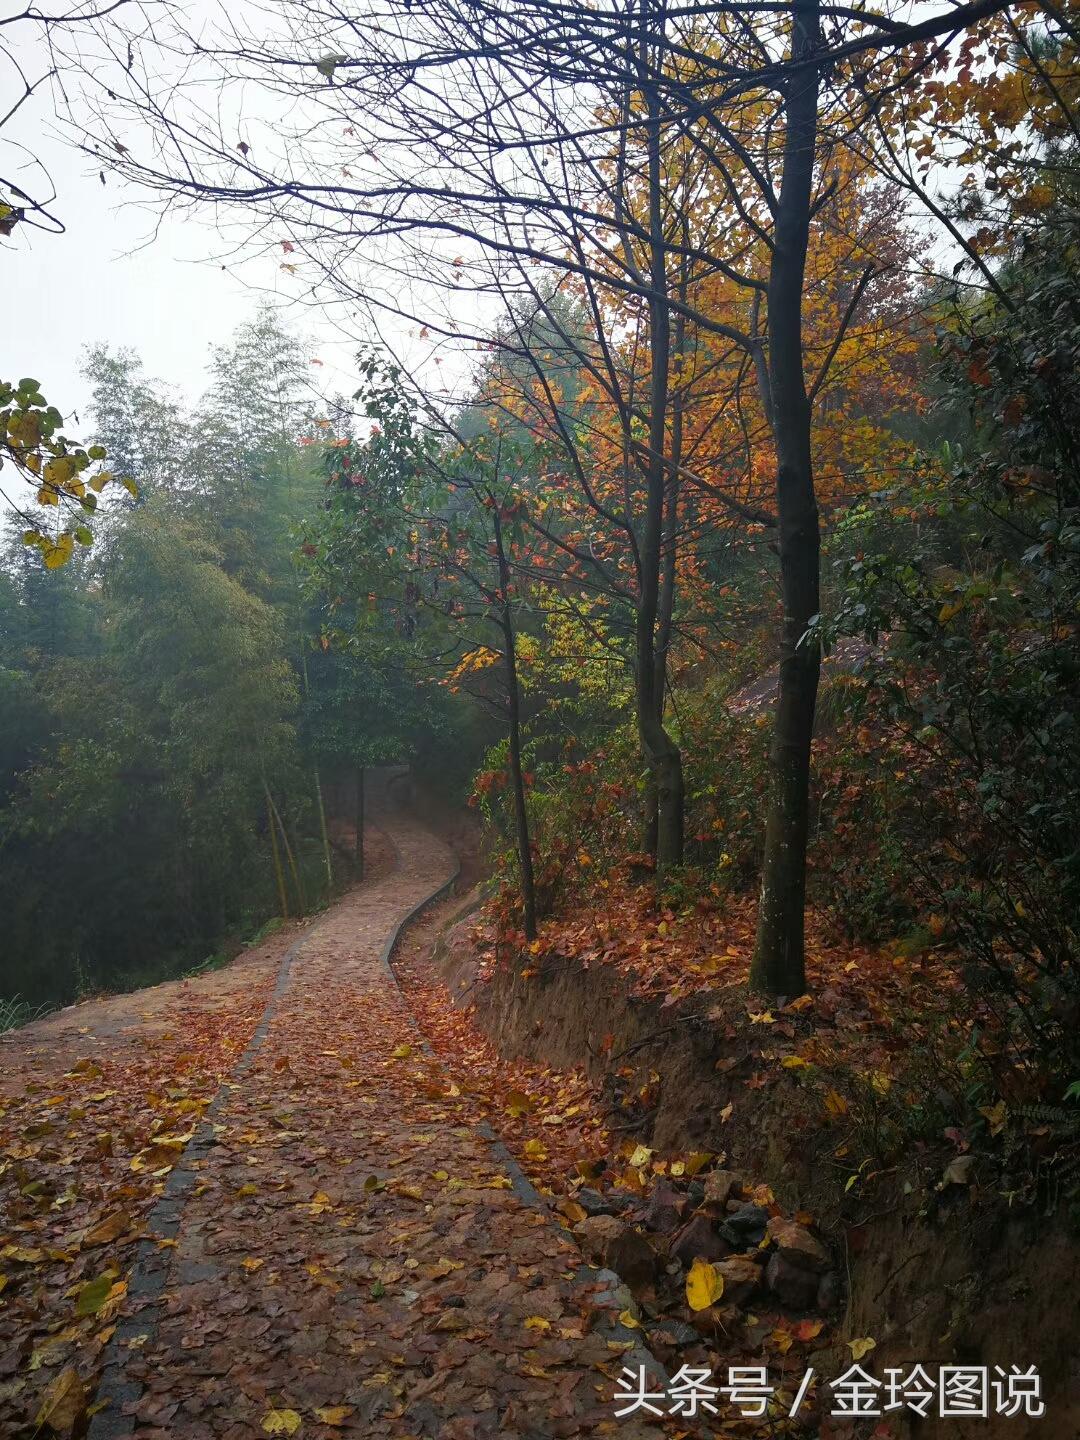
{"points": [[117, 276]]}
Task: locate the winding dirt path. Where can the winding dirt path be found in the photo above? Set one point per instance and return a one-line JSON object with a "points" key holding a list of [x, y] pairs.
{"points": [[338, 1250]]}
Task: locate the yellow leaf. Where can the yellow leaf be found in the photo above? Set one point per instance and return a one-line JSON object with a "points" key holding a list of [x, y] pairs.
{"points": [[537, 1322], [320, 1203], [862, 1347], [164, 1152], [251, 1264], [641, 1156], [589, 1169], [281, 1422], [518, 1104], [835, 1104], [574, 1212], [761, 1017], [535, 1149], [629, 1320], [64, 1403], [402, 1052], [334, 1414], [21, 1254], [698, 1161], [704, 1285], [59, 552], [996, 1115], [795, 1062], [442, 1267]]}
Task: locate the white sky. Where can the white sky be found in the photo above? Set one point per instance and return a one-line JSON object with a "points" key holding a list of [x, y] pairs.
{"points": [[118, 276]]}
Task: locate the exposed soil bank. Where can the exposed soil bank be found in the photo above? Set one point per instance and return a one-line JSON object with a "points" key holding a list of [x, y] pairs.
{"points": [[936, 1276]]}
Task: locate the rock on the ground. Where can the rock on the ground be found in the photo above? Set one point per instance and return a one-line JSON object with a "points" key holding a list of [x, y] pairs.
{"points": [[741, 1278], [673, 1335], [797, 1246], [608, 1241], [719, 1185], [791, 1284], [665, 1210], [746, 1226], [593, 1203], [699, 1239]]}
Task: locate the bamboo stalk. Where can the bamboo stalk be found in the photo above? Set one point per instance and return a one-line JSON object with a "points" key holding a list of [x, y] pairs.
{"points": [[325, 837], [279, 874], [288, 851]]}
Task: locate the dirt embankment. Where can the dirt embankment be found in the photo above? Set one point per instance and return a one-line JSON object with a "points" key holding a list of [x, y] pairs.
{"points": [[937, 1274]]}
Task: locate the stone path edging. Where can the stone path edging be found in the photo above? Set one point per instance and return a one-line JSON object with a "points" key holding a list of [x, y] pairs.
{"points": [[614, 1297], [146, 1279]]}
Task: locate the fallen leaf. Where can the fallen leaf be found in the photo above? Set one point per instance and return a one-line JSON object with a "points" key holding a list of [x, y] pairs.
{"points": [[281, 1422], [335, 1415], [807, 1329], [958, 1171], [92, 1295], [704, 1285], [518, 1104], [835, 1104], [64, 1403], [111, 1228], [862, 1347]]}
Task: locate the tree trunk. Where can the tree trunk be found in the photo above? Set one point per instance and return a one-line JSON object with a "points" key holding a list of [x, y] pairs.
{"points": [[650, 830], [661, 753], [358, 837], [778, 966], [517, 775]]}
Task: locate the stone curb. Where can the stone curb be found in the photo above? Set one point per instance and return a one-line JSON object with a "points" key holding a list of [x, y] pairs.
{"points": [[614, 1297], [146, 1279]]}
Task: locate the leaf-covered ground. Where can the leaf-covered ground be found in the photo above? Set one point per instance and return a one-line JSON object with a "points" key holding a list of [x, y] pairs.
{"points": [[338, 1249]]}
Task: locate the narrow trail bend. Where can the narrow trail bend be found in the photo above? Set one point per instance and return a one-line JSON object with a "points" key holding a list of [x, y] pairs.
{"points": [[339, 1250]]}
